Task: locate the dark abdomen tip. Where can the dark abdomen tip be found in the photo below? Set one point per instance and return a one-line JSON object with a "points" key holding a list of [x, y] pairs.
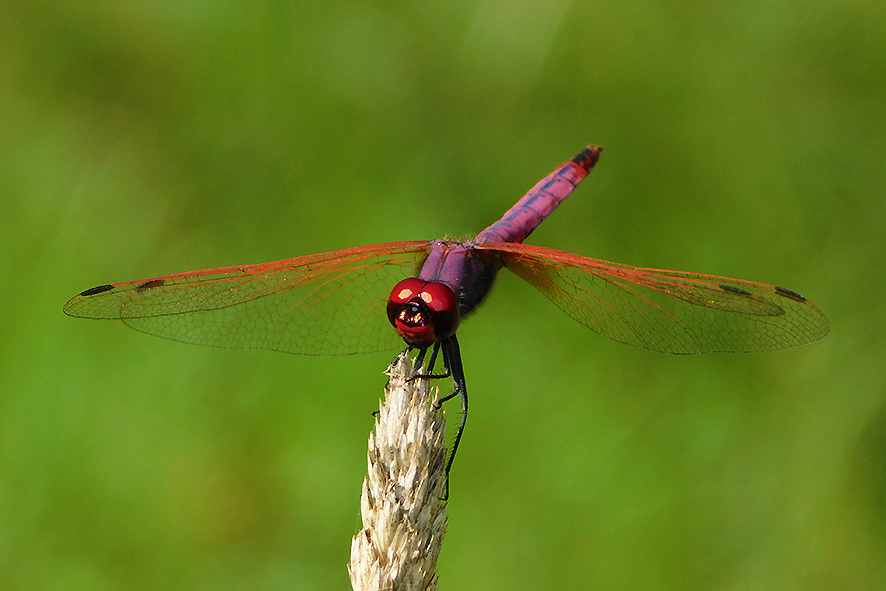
{"points": [[588, 157]]}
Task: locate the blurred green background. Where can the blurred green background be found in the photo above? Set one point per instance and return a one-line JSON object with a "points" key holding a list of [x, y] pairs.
{"points": [[743, 139]]}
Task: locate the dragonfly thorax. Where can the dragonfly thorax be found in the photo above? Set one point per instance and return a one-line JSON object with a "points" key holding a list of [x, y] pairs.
{"points": [[423, 312]]}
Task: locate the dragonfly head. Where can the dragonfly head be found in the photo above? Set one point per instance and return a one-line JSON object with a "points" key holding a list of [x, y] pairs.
{"points": [[423, 312]]}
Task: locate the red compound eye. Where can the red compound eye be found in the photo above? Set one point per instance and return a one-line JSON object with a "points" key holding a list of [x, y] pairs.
{"points": [[442, 301], [405, 291], [423, 312]]}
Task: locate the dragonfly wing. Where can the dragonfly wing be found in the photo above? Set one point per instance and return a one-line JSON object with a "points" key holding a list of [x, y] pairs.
{"points": [[667, 311], [324, 304]]}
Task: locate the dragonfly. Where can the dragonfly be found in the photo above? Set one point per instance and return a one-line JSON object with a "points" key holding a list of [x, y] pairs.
{"points": [[343, 302]]}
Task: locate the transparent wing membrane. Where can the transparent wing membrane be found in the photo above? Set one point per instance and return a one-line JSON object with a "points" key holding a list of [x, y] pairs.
{"points": [[667, 311], [325, 304]]}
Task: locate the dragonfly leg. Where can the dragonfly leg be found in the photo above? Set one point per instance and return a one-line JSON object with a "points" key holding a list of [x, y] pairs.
{"points": [[452, 359], [452, 368], [433, 359], [420, 362], [420, 358], [430, 375]]}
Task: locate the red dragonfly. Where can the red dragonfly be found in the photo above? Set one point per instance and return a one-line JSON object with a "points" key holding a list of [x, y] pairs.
{"points": [[341, 302]]}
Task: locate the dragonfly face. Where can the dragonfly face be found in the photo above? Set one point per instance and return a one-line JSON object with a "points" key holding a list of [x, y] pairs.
{"points": [[423, 312]]}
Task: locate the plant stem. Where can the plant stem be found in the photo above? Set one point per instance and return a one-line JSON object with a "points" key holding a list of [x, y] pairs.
{"points": [[404, 519]]}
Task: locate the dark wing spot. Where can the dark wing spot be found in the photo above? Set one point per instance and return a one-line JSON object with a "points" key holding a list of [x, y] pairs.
{"points": [[731, 289], [150, 284], [789, 294], [95, 290]]}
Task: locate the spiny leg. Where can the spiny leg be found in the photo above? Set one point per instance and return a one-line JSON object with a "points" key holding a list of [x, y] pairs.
{"points": [[452, 368], [420, 358], [419, 363], [452, 360]]}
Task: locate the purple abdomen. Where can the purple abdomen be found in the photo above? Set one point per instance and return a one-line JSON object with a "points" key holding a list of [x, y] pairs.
{"points": [[470, 275], [519, 221]]}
